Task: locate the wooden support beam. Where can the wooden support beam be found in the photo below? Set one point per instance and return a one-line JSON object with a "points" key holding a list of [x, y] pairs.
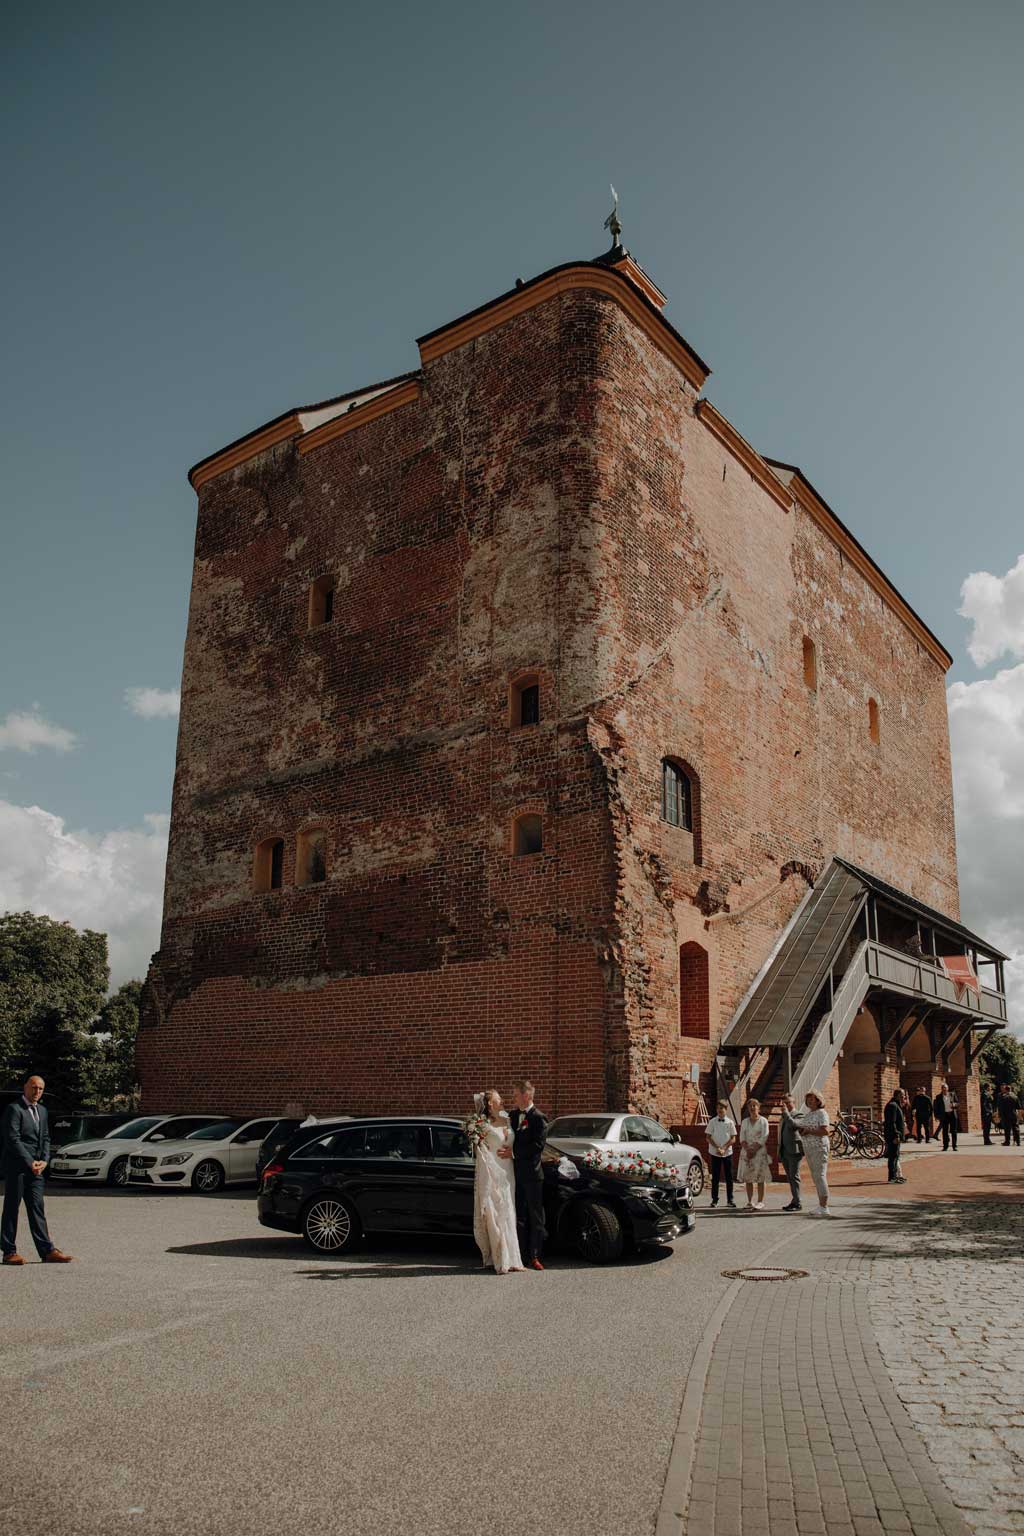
{"points": [[915, 1021], [986, 1035]]}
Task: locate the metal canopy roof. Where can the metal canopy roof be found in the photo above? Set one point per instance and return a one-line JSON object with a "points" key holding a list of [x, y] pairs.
{"points": [[897, 898]]}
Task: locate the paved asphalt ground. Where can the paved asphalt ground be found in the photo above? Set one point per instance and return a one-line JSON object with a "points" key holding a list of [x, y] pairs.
{"points": [[192, 1373]]}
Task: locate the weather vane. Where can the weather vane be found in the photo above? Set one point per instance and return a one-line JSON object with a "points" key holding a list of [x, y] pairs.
{"points": [[611, 223]]}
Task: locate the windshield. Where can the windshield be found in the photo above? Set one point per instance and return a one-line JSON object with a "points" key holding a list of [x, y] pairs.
{"points": [[216, 1132], [590, 1127], [134, 1128]]}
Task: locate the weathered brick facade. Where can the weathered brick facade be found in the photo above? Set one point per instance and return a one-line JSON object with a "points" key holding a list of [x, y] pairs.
{"points": [[544, 499]]}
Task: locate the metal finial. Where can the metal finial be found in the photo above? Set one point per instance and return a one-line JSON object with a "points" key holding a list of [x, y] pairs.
{"points": [[611, 223]]}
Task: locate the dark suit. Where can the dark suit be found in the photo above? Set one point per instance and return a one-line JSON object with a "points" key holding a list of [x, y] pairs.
{"points": [[24, 1139], [530, 1132], [791, 1151], [923, 1115], [987, 1115], [895, 1125], [1008, 1119]]}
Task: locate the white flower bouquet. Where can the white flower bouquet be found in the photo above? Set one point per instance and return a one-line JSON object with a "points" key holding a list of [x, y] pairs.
{"points": [[633, 1165]]}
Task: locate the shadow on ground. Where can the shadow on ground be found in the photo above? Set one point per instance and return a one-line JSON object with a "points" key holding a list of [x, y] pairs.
{"points": [[946, 1230], [394, 1257]]}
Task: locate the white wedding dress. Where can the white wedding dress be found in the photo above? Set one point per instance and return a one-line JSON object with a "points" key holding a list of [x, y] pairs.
{"points": [[494, 1202]]}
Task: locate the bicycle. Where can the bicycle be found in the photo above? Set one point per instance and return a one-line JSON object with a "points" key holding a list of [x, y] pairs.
{"points": [[854, 1138]]}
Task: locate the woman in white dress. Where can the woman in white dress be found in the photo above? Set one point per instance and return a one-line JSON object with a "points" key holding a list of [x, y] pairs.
{"points": [[494, 1188], [754, 1167], [815, 1133]]}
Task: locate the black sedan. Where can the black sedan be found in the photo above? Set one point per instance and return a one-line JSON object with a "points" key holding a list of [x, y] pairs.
{"points": [[337, 1183]]}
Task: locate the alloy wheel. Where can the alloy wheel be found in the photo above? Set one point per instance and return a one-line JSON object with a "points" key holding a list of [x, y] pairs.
{"points": [[695, 1178], [329, 1225], [208, 1178], [118, 1175]]}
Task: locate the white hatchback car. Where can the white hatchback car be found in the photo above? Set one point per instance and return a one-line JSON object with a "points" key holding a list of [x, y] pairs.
{"points": [[105, 1160], [220, 1153], [609, 1133]]}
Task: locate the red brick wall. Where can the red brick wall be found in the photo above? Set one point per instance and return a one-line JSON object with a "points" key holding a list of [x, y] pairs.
{"points": [[551, 503]]}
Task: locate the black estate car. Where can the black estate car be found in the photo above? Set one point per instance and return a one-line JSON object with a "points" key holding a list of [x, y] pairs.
{"points": [[334, 1183]]}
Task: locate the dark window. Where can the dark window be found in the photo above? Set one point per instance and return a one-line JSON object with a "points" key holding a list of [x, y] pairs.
{"points": [[633, 1129], [529, 705], [655, 1132], [586, 1127], [312, 860], [347, 1143], [402, 1142], [276, 865], [676, 796], [328, 605], [450, 1143], [810, 663], [218, 1132], [321, 602], [257, 1131], [174, 1130], [528, 835]]}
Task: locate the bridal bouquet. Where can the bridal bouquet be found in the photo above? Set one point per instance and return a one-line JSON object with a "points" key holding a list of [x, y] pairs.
{"points": [[476, 1129], [632, 1165]]}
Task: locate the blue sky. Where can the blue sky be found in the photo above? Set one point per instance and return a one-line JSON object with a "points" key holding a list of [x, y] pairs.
{"points": [[218, 212]]}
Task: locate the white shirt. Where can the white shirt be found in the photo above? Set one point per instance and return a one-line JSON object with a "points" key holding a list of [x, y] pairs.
{"points": [[720, 1131]]}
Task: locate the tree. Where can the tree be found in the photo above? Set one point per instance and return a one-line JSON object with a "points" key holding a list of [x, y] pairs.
{"points": [[53, 981], [113, 1064], [1002, 1061]]}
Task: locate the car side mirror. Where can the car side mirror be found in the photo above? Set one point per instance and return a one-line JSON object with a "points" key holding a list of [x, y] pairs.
{"points": [[156, 1137]]}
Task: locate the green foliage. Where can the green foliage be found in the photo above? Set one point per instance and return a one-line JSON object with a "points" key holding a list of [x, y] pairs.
{"points": [[53, 982], [1002, 1061], [113, 1064]]}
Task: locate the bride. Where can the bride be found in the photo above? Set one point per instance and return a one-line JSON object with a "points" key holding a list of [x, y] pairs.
{"points": [[494, 1188]]}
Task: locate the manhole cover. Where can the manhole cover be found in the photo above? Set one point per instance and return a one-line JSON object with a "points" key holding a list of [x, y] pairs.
{"points": [[765, 1272]]}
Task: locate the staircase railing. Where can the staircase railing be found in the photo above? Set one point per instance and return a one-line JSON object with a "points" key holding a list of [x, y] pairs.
{"points": [[827, 1041]]}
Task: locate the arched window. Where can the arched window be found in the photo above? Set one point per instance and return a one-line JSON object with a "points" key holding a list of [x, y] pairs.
{"points": [[268, 867], [524, 701], [694, 993], [676, 795], [874, 722], [321, 601], [311, 859], [527, 834], [810, 664]]}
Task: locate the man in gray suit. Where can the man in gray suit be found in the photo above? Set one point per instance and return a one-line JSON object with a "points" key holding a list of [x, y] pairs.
{"points": [[24, 1154], [791, 1151]]}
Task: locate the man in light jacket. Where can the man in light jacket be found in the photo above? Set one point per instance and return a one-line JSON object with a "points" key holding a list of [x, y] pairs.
{"points": [[791, 1151]]}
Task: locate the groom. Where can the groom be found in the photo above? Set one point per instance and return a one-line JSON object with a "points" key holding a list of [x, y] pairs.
{"points": [[530, 1133]]}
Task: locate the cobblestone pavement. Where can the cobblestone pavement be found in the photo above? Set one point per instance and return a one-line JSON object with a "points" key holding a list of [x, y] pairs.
{"points": [[946, 1306], [882, 1393]]}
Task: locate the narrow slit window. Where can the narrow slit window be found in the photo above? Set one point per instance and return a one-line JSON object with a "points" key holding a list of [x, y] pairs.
{"points": [[524, 702], [321, 602], [676, 796], [810, 664], [694, 992], [269, 865], [874, 722], [527, 835]]}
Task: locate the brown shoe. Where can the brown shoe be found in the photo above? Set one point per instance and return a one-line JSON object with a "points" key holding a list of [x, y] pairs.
{"points": [[56, 1257], [13, 1258], [536, 1264]]}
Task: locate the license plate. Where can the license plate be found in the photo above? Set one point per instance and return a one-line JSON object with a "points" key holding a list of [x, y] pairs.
{"points": [[140, 1178], [58, 1167]]}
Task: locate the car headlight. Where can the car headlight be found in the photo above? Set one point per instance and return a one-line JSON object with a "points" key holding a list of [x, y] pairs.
{"points": [[85, 1156], [643, 1193], [178, 1157]]}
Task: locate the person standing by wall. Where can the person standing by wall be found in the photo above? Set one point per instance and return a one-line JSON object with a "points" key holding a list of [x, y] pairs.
{"points": [[987, 1113], [947, 1115], [1009, 1120], [754, 1167], [721, 1133], [791, 1151], [923, 1114], [24, 1154], [895, 1126]]}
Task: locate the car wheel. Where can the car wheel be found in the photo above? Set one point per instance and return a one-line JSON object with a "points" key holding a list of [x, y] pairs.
{"points": [[208, 1177], [598, 1233], [117, 1173], [695, 1178], [330, 1225]]}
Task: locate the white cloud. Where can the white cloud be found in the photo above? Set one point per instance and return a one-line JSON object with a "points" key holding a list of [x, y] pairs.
{"points": [[986, 722], [24, 731], [995, 607], [112, 881], [153, 703]]}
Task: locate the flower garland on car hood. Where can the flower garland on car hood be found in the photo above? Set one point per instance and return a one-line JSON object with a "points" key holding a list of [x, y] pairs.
{"points": [[633, 1165]]}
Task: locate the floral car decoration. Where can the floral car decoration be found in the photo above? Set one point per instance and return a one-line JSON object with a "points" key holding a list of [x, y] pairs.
{"points": [[633, 1165]]}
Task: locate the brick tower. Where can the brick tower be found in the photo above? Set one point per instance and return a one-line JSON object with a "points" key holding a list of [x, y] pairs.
{"points": [[522, 700]]}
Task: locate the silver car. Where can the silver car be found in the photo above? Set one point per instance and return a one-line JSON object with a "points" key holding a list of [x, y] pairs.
{"points": [[224, 1152], [106, 1159], [609, 1132]]}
